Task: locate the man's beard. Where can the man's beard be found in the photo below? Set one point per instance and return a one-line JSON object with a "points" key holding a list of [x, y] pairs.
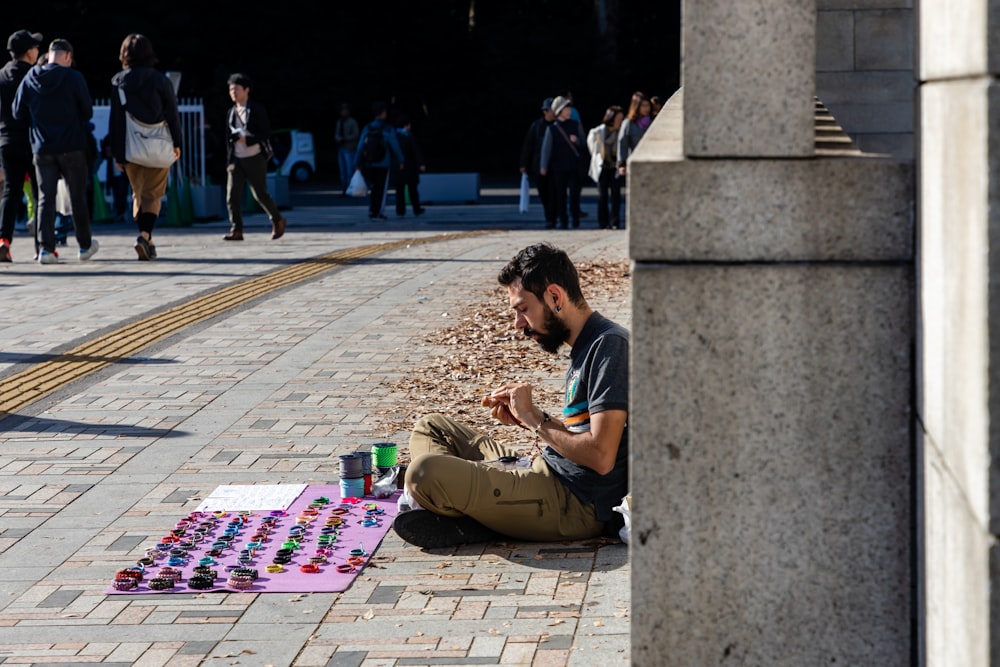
{"points": [[556, 333]]}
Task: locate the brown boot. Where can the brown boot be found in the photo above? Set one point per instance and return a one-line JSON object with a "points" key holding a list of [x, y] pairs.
{"points": [[278, 228], [233, 235]]}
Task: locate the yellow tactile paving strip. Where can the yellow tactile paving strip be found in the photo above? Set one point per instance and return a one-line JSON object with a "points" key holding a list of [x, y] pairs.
{"points": [[32, 384]]}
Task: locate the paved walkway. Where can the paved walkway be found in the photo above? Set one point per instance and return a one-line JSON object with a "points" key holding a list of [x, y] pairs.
{"points": [[267, 389]]}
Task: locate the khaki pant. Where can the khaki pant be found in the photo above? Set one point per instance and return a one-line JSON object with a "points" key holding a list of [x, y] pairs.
{"points": [[447, 476], [149, 184]]}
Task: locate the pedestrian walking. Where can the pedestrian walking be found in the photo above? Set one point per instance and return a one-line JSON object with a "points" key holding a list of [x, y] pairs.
{"points": [[249, 129], [378, 146], [562, 149], [55, 99], [531, 153], [346, 133], [603, 143], [148, 95], [407, 174], [15, 143]]}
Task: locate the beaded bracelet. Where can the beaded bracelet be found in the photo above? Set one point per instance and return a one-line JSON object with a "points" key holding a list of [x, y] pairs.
{"points": [[161, 583]]}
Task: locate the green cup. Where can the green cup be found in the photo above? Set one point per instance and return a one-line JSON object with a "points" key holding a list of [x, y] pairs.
{"points": [[384, 454]]}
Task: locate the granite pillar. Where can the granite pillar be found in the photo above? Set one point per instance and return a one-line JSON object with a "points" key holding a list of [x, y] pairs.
{"points": [[773, 466]]}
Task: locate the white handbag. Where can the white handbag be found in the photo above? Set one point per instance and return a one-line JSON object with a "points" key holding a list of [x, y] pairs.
{"points": [[145, 144]]}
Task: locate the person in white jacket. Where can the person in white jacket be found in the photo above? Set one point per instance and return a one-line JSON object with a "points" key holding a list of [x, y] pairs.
{"points": [[603, 144]]}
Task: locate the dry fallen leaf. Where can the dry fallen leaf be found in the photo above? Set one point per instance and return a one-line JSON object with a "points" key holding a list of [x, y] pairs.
{"points": [[482, 350], [368, 615]]}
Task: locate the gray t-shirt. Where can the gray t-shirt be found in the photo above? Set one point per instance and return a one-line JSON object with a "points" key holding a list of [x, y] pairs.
{"points": [[597, 380]]}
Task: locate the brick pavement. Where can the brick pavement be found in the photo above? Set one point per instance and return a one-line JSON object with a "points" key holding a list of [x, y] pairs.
{"points": [[272, 391]]}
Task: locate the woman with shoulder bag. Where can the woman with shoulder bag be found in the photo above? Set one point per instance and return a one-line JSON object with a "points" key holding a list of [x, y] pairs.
{"points": [[637, 120], [148, 96], [603, 143]]}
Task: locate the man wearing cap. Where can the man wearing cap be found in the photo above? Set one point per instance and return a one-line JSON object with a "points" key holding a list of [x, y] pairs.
{"points": [[531, 151], [15, 146], [55, 100], [562, 150]]}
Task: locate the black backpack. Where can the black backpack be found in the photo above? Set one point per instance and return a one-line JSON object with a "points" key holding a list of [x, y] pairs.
{"points": [[373, 149]]}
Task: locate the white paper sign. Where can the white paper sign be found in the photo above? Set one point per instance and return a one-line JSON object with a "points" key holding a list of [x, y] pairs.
{"points": [[234, 498]]}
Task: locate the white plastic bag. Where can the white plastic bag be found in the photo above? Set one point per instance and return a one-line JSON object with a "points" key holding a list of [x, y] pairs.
{"points": [[406, 502], [386, 484], [525, 194], [357, 187], [625, 509]]}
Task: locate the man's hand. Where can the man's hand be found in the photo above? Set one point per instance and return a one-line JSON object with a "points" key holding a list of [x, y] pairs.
{"points": [[512, 405]]}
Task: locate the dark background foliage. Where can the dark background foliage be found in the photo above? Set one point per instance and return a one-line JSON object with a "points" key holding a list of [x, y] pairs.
{"points": [[470, 74]]}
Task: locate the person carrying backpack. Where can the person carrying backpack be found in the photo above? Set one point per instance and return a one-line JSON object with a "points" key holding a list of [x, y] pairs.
{"points": [[377, 147]]}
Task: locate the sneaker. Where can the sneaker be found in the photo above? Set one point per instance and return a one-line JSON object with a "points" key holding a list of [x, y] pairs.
{"points": [[89, 252], [426, 529], [5, 250], [144, 249], [46, 257]]}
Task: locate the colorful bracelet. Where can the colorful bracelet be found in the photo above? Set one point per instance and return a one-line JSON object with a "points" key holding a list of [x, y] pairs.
{"points": [[240, 583], [309, 568], [274, 568], [125, 584]]}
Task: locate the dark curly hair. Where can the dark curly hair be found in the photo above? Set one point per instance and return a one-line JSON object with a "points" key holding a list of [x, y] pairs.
{"points": [[539, 266]]}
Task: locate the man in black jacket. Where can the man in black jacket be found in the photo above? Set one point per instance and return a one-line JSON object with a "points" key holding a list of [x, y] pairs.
{"points": [[55, 98], [15, 147], [248, 131], [531, 152]]}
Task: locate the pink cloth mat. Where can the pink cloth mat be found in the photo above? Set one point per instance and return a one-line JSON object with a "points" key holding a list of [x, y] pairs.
{"points": [[364, 522]]}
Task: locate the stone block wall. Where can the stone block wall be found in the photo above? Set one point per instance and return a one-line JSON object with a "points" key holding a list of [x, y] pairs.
{"points": [[865, 71]]}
